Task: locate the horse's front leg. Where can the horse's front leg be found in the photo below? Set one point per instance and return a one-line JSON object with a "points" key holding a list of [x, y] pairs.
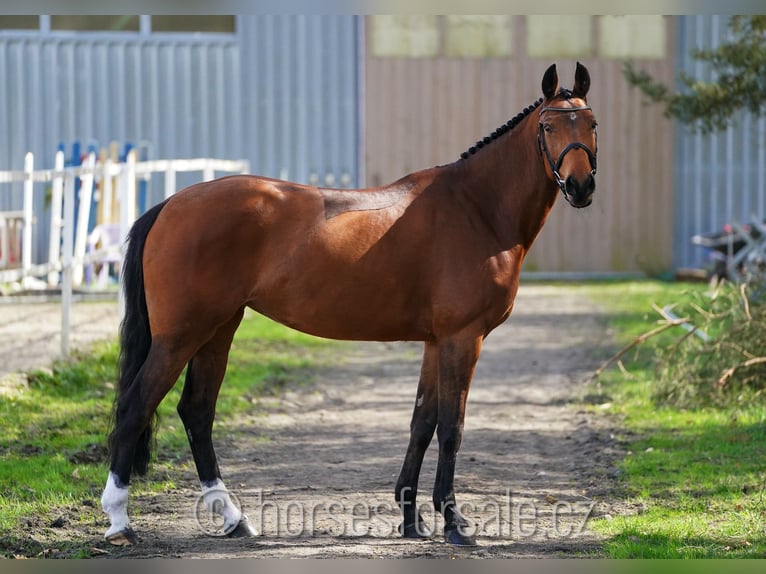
{"points": [[457, 361], [421, 432]]}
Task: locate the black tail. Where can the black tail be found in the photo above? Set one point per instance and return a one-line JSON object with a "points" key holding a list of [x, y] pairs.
{"points": [[135, 335]]}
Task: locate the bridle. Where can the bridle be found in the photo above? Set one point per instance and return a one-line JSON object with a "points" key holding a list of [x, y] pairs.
{"points": [[542, 145]]}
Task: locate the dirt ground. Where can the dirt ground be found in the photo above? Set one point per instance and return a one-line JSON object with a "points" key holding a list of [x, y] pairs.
{"points": [[30, 333], [314, 468]]}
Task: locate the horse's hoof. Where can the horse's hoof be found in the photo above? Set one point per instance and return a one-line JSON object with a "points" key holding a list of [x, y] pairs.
{"points": [[125, 537], [243, 529], [415, 531], [455, 537]]}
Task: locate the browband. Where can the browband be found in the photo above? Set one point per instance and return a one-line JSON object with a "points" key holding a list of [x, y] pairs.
{"points": [[578, 109]]}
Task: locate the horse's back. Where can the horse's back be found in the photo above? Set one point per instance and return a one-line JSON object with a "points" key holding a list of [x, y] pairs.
{"points": [[310, 258]]}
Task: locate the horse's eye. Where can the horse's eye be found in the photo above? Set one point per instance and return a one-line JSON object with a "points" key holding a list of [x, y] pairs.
{"points": [[594, 125], [548, 128]]}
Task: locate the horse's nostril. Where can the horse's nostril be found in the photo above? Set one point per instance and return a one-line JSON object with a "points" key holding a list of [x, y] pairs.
{"points": [[571, 185], [587, 185]]}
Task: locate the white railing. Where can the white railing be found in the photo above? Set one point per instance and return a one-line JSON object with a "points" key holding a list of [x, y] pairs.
{"points": [[68, 237]]}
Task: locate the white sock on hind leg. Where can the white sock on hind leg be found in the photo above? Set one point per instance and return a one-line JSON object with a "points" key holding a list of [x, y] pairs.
{"points": [[114, 501], [217, 500]]}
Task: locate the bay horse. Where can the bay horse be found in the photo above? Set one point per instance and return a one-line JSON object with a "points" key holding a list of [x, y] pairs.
{"points": [[432, 257]]}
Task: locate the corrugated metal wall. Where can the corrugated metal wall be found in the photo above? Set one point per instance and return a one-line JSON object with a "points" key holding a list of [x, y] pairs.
{"points": [[719, 178], [301, 79], [281, 92], [180, 98], [422, 112]]}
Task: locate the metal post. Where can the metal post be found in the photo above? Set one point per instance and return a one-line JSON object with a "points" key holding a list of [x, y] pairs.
{"points": [[83, 217], [29, 184], [130, 205], [57, 193], [208, 174], [127, 192], [66, 275], [170, 181], [106, 191]]}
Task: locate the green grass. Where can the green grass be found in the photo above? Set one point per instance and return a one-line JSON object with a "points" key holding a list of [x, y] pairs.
{"points": [[52, 434], [697, 477]]}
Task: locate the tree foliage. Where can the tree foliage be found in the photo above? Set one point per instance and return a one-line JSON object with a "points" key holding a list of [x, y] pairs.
{"points": [[739, 66]]}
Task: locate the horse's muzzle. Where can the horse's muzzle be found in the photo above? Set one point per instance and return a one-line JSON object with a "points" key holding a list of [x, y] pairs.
{"points": [[580, 193]]}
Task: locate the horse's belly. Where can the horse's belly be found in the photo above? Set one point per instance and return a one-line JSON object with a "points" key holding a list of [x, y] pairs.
{"points": [[352, 314]]}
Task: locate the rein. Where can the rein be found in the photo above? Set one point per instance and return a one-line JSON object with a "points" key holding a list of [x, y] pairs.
{"points": [[543, 147]]}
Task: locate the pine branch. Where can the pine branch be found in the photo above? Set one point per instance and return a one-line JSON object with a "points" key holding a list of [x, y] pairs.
{"points": [[739, 66]]}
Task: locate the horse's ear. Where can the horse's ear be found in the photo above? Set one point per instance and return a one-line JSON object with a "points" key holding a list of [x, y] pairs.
{"points": [[550, 82], [582, 81]]}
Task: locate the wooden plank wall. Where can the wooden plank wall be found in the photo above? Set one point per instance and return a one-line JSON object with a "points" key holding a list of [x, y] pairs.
{"points": [[425, 111]]}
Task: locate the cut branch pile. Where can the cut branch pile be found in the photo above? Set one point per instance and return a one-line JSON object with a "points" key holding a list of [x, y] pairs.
{"points": [[718, 360]]}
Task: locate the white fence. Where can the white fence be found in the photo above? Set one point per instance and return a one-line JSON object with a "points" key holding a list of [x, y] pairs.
{"points": [[69, 231]]}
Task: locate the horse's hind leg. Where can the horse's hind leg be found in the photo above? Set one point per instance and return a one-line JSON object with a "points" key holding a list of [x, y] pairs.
{"points": [[421, 432], [133, 416], [197, 411]]}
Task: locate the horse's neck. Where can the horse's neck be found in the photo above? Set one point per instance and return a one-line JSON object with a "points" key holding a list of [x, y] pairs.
{"points": [[508, 185]]}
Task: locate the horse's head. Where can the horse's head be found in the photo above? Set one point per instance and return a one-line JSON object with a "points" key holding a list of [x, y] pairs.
{"points": [[567, 136]]}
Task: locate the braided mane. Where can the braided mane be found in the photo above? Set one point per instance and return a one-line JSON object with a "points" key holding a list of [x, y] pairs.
{"points": [[506, 127]]}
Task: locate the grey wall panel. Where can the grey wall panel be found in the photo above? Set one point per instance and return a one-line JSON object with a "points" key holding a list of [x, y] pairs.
{"points": [[301, 80]]}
